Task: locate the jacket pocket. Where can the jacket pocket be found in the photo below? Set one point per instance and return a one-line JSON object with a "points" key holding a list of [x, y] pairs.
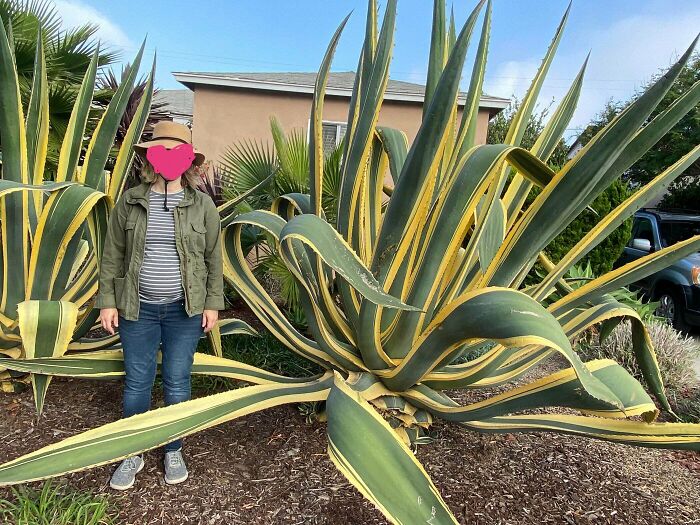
{"points": [[129, 229], [198, 287], [198, 237], [119, 292]]}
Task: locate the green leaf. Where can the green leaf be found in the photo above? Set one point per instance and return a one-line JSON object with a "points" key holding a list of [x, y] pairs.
{"points": [[72, 145], [502, 315], [101, 143], [46, 328], [370, 455], [437, 56], [677, 436], [316, 123], [136, 434], [322, 238], [560, 389], [125, 157]]}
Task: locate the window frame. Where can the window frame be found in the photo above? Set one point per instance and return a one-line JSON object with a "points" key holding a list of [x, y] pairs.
{"points": [[336, 123]]}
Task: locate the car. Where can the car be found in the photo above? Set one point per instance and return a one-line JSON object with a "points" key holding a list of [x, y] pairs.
{"points": [[677, 287]]}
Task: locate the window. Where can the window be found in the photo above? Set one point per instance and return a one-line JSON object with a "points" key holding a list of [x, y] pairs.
{"points": [[673, 232], [332, 133], [643, 230]]}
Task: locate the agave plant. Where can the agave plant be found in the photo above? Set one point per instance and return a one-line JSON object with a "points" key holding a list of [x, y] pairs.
{"points": [[394, 296], [53, 231], [245, 168]]}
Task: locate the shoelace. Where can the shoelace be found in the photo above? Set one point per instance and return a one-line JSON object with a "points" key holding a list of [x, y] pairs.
{"points": [[128, 464], [174, 460]]}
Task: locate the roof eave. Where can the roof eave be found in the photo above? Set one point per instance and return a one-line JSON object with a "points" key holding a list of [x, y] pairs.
{"points": [[190, 79]]}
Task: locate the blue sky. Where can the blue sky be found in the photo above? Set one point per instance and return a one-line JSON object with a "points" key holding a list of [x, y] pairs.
{"points": [[629, 40]]}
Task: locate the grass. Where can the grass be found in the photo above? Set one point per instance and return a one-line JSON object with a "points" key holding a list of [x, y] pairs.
{"points": [[264, 351], [55, 505]]}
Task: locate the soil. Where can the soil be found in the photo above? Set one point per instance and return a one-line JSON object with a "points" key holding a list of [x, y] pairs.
{"points": [[272, 468]]}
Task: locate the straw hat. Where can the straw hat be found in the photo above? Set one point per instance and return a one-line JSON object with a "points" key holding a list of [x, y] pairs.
{"points": [[169, 134]]}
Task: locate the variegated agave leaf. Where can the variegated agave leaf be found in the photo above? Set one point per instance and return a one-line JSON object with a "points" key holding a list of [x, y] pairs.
{"points": [[396, 294]]}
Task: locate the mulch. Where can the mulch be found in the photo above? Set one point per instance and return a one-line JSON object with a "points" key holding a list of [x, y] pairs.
{"points": [[272, 467]]}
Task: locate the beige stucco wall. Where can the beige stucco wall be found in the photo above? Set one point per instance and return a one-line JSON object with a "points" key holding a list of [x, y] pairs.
{"points": [[222, 116]]}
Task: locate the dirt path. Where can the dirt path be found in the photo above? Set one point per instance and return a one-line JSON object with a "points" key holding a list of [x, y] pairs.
{"points": [[272, 468]]}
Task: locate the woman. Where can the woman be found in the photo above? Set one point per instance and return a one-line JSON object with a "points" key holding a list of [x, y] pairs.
{"points": [[161, 281]]}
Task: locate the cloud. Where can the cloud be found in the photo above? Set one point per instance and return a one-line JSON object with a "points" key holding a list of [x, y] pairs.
{"points": [[624, 56], [75, 13], [511, 78]]}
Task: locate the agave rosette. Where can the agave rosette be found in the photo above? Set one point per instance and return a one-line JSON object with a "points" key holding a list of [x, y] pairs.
{"points": [[53, 231], [395, 294]]}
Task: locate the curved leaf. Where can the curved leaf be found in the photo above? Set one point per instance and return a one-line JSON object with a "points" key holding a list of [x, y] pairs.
{"points": [[152, 429], [371, 456]]}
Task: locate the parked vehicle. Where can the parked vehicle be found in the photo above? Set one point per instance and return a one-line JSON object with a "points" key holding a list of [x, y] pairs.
{"points": [[676, 288]]}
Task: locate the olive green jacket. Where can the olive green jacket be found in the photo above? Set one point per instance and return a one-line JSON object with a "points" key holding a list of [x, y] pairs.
{"points": [[198, 242]]}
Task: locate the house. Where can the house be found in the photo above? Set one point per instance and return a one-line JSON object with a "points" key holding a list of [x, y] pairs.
{"points": [[575, 148], [176, 104], [230, 107]]}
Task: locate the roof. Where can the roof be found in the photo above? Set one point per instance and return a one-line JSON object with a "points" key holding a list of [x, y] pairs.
{"points": [[673, 216], [177, 102], [339, 84]]}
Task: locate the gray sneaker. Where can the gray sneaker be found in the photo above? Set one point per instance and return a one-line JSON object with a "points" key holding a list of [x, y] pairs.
{"points": [[123, 478], [175, 469]]}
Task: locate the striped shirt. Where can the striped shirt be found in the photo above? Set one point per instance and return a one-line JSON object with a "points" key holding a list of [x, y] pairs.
{"points": [[160, 280]]}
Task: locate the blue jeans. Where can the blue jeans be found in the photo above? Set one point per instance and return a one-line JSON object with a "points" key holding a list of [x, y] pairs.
{"points": [[170, 325]]}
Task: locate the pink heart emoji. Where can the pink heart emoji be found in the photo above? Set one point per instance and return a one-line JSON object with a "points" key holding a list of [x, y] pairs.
{"points": [[170, 163]]}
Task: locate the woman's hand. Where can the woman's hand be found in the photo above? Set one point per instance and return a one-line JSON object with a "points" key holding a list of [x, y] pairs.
{"points": [[109, 318], [209, 318]]}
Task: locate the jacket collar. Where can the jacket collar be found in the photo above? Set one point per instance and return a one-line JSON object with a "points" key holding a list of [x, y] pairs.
{"points": [[139, 194]]}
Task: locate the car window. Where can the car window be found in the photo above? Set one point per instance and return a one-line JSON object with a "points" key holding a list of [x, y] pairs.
{"points": [[673, 232], [643, 230]]}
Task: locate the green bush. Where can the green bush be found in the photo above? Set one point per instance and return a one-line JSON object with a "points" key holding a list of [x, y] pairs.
{"points": [[675, 353], [607, 252]]}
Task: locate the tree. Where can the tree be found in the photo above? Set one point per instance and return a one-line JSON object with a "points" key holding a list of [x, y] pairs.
{"points": [[684, 193], [498, 128], [68, 53], [601, 258]]}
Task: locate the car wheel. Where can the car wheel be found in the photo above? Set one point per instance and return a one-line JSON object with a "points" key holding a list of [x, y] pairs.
{"points": [[670, 309]]}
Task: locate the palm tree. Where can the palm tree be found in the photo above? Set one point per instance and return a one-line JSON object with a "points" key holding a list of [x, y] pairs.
{"points": [[68, 53], [243, 169]]}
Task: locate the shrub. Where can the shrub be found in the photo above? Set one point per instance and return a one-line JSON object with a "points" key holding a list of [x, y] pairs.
{"points": [[675, 352]]}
